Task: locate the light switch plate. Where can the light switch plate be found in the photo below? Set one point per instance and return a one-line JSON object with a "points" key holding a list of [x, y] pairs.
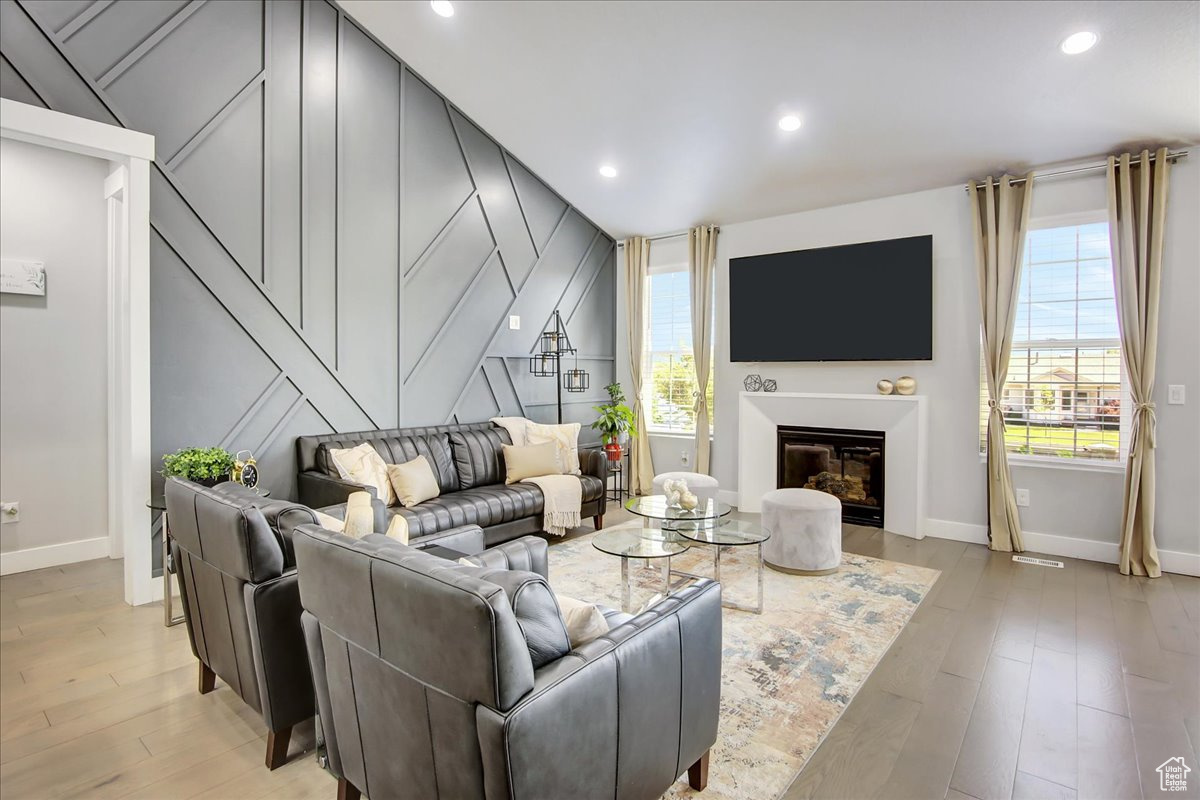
{"points": [[1023, 498], [1176, 394], [514, 323]]}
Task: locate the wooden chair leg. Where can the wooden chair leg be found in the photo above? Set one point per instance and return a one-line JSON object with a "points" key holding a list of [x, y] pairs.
{"points": [[598, 521], [277, 747], [208, 679], [346, 790], [698, 773]]}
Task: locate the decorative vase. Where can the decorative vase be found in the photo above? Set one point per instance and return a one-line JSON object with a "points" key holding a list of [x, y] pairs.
{"points": [[885, 386], [613, 451], [906, 384]]}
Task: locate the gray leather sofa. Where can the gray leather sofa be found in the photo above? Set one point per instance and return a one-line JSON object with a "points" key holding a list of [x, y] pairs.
{"points": [[469, 465], [232, 551], [439, 680]]}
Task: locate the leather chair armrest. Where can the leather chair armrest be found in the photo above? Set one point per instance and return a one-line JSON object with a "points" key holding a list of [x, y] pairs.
{"points": [[595, 462], [318, 490], [316, 662], [285, 684], [465, 539], [528, 553], [642, 701], [283, 516]]}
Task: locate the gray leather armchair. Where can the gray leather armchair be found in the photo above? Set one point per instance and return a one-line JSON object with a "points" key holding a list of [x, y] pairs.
{"points": [[438, 680], [232, 551]]}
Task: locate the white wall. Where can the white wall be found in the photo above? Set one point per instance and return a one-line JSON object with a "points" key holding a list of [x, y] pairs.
{"points": [[53, 353], [1082, 505]]}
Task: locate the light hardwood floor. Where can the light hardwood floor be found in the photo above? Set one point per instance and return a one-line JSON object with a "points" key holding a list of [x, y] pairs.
{"points": [[1011, 681]]}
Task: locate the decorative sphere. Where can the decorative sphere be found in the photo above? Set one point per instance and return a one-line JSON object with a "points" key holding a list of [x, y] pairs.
{"points": [[906, 385], [688, 501], [885, 386]]}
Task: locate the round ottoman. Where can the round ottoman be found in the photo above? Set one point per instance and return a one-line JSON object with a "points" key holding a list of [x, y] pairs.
{"points": [[806, 531], [703, 486]]}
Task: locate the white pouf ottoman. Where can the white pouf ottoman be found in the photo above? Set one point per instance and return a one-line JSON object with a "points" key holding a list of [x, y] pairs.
{"points": [[703, 486], [806, 531]]}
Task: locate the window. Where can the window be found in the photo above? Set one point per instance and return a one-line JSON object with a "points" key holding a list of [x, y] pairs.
{"points": [[669, 369], [1064, 396]]}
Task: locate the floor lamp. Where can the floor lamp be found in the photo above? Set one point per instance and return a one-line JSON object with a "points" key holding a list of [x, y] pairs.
{"points": [[554, 344]]}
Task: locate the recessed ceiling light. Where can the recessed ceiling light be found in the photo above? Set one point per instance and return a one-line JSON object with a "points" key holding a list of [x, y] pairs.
{"points": [[442, 8], [1078, 43], [790, 123], [608, 170]]}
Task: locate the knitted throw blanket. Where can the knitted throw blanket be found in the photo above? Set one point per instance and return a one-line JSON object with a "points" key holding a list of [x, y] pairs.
{"points": [[563, 500]]}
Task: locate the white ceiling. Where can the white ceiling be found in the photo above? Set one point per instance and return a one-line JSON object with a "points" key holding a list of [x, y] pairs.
{"points": [[684, 97]]}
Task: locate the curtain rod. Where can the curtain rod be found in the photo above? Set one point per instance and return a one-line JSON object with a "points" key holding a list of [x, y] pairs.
{"points": [[1178, 154], [665, 236]]}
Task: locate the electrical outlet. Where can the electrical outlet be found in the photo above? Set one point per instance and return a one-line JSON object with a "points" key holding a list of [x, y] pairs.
{"points": [[1176, 395], [10, 512], [1023, 498], [683, 457], [514, 323]]}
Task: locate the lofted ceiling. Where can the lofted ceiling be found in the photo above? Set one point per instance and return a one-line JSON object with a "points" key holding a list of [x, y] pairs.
{"points": [[684, 97]]}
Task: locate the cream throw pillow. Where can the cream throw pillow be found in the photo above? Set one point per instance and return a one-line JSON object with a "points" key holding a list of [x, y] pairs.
{"points": [[364, 465], [330, 523], [531, 461], [360, 516], [413, 481], [565, 438], [398, 529], [584, 621]]}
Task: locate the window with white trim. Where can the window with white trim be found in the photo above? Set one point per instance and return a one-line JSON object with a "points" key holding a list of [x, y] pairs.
{"points": [[668, 364], [1064, 395]]}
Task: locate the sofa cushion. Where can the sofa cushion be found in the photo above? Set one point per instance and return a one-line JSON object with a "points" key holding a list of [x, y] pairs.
{"points": [[478, 458], [400, 450]]}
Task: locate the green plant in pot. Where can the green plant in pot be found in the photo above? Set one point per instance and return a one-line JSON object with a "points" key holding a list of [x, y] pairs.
{"points": [[206, 466], [615, 421]]}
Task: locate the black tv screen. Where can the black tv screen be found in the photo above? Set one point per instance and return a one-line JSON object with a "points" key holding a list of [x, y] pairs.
{"points": [[857, 302]]}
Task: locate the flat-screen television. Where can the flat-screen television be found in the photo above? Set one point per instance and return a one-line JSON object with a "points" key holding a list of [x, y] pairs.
{"points": [[858, 302]]}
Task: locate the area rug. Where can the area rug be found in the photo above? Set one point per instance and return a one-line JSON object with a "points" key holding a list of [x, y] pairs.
{"points": [[788, 674]]}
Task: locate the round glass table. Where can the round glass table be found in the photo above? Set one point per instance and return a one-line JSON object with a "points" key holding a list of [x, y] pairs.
{"points": [[654, 506], [635, 540]]}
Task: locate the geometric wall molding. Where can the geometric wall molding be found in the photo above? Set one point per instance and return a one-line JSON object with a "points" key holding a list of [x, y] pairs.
{"points": [[334, 246]]}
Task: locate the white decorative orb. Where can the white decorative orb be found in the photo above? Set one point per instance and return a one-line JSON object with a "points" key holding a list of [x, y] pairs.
{"points": [[906, 385], [885, 386], [688, 501]]}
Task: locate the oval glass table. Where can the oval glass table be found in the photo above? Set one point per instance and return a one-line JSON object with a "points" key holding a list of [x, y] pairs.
{"points": [[707, 524], [634, 540]]}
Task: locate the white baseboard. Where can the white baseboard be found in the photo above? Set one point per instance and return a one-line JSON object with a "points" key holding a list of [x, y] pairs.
{"points": [[53, 555], [1066, 546]]}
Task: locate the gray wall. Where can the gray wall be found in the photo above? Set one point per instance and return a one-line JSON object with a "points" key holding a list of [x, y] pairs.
{"points": [[334, 246]]}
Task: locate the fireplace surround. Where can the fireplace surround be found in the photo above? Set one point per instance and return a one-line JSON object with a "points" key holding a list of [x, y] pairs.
{"points": [[845, 463]]}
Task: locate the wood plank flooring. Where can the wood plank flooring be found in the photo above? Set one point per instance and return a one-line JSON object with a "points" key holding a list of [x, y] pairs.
{"points": [[1011, 681]]}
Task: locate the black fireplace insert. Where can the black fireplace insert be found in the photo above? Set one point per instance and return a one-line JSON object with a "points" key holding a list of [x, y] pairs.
{"points": [[847, 464]]}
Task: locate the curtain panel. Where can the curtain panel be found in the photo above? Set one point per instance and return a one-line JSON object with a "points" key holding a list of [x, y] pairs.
{"points": [[637, 264], [1001, 220], [1137, 206], [702, 252]]}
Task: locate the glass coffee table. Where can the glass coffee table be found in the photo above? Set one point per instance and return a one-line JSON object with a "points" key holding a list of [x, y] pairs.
{"points": [[639, 541], [705, 525]]}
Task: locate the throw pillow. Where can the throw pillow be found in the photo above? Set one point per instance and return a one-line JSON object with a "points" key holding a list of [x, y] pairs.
{"points": [[565, 437], [360, 516], [531, 461], [329, 523], [584, 621], [398, 529], [516, 427], [413, 481], [364, 465]]}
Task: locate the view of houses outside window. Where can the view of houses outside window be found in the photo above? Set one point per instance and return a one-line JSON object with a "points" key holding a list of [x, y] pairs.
{"points": [[1063, 396], [669, 379]]}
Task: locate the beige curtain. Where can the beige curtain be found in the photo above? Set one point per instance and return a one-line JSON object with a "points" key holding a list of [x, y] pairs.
{"points": [[1137, 206], [1000, 221], [637, 260], [702, 252]]}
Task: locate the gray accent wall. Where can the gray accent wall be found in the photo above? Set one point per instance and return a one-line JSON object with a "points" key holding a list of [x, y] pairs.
{"points": [[334, 246]]}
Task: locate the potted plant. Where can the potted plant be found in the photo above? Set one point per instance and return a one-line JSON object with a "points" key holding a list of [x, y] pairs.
{"points": [[615, 421], [206, 466]]}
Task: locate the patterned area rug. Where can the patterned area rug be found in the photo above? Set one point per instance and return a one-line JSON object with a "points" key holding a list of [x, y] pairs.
{"points": [[787, 674]]}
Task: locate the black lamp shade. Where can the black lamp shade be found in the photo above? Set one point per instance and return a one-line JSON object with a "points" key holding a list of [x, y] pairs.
{"points": [[543, 365], [576, 380]]}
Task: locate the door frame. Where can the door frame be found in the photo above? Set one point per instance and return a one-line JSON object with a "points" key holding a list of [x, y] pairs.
{"points": [[127, 194]]}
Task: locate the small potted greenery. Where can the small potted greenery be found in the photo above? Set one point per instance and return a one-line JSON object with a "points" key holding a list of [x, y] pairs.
{"points": [[206, 466], [614, 422]]}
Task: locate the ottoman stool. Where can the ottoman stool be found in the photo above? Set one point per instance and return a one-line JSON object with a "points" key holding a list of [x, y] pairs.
{"points": [[806, 531], [703, 486]]}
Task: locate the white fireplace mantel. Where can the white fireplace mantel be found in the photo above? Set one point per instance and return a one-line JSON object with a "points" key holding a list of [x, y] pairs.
{"points": [[902, 418]]}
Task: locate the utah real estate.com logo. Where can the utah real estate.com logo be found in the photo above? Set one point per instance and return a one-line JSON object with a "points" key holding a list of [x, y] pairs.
{"points": [[1172, 775]]}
